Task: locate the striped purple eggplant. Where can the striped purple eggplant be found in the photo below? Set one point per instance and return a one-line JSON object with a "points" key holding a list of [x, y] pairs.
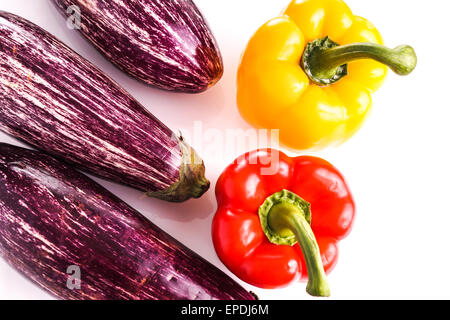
{"points": [[57, 101], [54, 219], [165, 43]]}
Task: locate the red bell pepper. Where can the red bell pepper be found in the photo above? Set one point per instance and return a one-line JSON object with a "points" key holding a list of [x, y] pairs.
{"points": [[269, 226]]}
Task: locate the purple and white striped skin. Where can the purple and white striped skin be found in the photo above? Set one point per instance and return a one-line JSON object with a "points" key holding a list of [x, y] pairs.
{"points": [[57, 101], [53, 217], [165, 43]]}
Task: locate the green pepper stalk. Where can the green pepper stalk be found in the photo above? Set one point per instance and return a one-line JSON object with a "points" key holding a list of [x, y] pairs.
{"points": [[325, 62], [286, 219]]}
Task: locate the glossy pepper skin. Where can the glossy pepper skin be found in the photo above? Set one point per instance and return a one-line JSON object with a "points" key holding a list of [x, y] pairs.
{"points": [[242, 189], [275, 91]]}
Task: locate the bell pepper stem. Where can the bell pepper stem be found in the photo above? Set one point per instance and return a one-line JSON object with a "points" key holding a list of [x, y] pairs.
{"points": [[285, 219], [325, 61], [402, 60]]}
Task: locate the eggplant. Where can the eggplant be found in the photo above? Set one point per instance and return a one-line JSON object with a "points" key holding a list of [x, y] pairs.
{"points": [[57, 101], [165, 43], [53, 219]]}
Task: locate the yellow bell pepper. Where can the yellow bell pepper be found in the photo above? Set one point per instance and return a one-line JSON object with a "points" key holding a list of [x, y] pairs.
{"points": [[310, 73]]}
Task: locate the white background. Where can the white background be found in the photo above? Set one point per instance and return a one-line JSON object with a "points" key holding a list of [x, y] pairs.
{"points": [[397, 166]]}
